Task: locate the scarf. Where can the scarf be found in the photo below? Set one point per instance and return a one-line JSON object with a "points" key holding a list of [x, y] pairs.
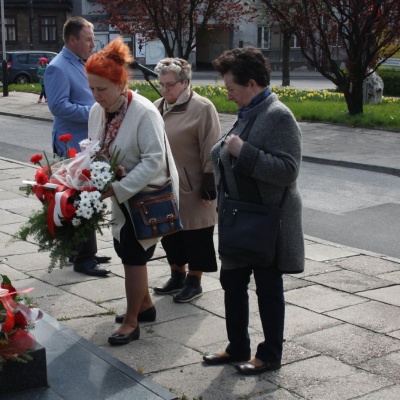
{"points": [[182, 98], [112, 120], [256, 100]]}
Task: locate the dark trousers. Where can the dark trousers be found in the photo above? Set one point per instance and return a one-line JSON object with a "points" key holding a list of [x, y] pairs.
{"points": [[87, 250], [42, 93], [271, 305]]}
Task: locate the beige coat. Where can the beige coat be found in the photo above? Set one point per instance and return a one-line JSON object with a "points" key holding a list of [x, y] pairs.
{"points": [[192, 129], [141, 140]]}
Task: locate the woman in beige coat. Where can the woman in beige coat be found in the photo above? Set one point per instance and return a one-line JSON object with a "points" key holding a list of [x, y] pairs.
{"points": [[192, 126]]}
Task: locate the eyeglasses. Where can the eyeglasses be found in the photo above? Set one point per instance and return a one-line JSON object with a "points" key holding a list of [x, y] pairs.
{"points": [[168, 86]]}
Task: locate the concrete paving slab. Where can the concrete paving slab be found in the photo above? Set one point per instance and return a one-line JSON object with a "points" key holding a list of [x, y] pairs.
{"points": [[10, 218], [387, 365], [11, 248], [392, 277], [366, 265], [290, 282], [313, 267], [387, 393], [194, 331], [314, 371], [345, 387], [11, 229], [31, 261], [373, 315], [61, 276], [349, 344], [154, 354], [389, 295], [321, 299], [105, 289], [349, 281], [212, 382], [321, 252], [300, 322], [279, 394]]}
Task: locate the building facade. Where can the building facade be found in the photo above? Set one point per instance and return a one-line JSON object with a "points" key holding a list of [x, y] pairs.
{"points": [[38, 24], [34, 24]]}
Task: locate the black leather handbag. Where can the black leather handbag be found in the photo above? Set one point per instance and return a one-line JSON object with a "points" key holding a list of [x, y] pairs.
{"points": [[248, 231]]}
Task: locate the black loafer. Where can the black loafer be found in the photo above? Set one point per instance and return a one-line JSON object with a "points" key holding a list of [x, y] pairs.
{"points": [[148, 315], [118, 339], [216, 359], [90, 267], [250, 369], [102, 259]]}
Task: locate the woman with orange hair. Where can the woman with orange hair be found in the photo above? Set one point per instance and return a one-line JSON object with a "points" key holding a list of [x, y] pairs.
{"points": [[126, 121]]}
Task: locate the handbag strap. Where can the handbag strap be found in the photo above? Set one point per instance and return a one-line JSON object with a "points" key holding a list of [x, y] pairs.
{"points": [[166, 155]]}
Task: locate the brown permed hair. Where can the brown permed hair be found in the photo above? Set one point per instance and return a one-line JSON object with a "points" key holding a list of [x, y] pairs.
{"points": [[244, 64]]}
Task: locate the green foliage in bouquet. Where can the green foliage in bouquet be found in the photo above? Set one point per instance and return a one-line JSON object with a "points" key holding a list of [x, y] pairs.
{"points": [[66, 239], [71, 195]]}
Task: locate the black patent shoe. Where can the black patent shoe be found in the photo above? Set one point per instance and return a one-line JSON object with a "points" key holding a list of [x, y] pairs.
{"points": [[148, 315], [191, 290], [217, 359], [173, 285], [251, 369], [102, 259], [90, 267], [117, 339]]}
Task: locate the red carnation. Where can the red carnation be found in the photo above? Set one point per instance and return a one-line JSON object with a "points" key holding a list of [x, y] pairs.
{"points": [[36, 159], [70, 211], [17, 344], [10, 288], [20, 320], [65, 138], [71, 153], [41, 177], [86, 172]]}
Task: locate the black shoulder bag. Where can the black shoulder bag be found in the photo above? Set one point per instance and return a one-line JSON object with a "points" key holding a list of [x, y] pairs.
{"points": [[248, 232]]}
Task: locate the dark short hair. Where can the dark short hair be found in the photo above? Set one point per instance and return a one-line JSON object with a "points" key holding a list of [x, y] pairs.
{"points": [[244, 64], [73, 27]]}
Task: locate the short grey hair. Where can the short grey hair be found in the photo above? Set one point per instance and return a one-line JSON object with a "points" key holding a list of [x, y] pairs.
{"points": [[179, 66]]}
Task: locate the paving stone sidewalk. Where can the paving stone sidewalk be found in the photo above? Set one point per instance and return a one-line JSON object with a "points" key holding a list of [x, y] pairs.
{"points": [[342, 324]]}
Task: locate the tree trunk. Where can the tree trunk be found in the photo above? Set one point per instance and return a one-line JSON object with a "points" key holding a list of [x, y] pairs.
{"points": [[354, 98], [285, 58]]}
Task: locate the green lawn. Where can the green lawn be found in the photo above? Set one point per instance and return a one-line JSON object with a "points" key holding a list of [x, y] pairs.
{"points": [[323, 106]]}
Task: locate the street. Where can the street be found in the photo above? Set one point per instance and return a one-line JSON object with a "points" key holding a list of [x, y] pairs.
{"points": [[347, 206]]}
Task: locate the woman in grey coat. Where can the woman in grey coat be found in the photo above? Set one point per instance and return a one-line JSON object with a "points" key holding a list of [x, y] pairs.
{"points": [[258, 170]]}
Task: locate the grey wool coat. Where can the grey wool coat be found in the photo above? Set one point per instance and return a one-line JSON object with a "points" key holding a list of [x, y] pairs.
{"points": [[270, 157]]}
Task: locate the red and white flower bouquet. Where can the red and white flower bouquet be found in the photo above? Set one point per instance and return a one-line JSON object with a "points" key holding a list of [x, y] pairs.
{"points": [[17, 318], [70, 191]]}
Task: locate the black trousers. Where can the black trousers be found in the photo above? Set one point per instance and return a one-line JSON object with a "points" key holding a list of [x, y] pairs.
{"points": [[86, 251], [271, 305]]}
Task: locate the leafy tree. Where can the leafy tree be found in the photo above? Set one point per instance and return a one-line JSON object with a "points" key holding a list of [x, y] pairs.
{"points": [[344, 40], [178, 24]]}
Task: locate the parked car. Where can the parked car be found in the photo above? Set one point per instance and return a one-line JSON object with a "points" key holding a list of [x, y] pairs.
{"points": [[22, 66]]}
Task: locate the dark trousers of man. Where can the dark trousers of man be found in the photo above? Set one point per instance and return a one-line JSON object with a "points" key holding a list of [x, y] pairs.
{"points": [[271, 305], [86, 251]]}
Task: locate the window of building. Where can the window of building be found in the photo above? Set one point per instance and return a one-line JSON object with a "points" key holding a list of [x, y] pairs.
{"points": [[294, 42], [48, 29], [10, 24], [264, 37]]}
